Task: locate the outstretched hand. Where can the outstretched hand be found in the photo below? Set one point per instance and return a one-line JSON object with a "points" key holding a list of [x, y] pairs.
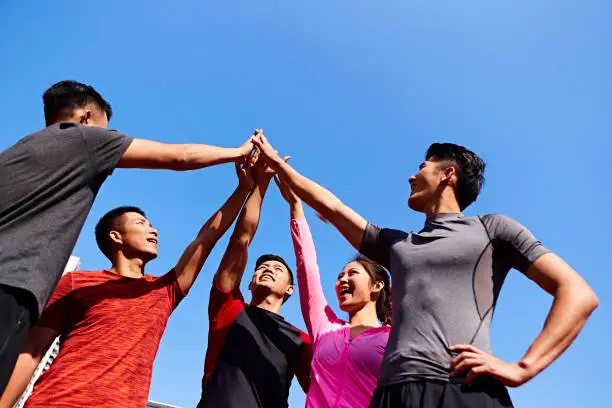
{"points": [[245, 171], [247, 147], [267, 151], [476, 362]]}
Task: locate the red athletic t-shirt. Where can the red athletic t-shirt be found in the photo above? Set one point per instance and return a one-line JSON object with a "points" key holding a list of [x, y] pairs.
{"points": [[110, 329]]}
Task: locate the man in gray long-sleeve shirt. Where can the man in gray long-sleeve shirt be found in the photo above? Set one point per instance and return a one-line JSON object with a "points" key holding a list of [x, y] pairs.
{"points": [[446, 280], [48, 182]]}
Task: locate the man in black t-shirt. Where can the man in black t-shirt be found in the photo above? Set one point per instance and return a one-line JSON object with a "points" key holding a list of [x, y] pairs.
{"points": [[48, 182], [253, 353]]}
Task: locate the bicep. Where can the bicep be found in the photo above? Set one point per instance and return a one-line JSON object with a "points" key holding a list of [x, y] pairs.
{"points": [[148, 154], [549, 272], [350, 224]]}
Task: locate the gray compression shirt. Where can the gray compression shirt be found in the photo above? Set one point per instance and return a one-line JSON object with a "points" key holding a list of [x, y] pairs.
{"points": [[446, 279]]}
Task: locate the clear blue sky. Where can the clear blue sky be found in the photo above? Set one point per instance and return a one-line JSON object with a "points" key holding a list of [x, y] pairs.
{"points": [[355, 92]]}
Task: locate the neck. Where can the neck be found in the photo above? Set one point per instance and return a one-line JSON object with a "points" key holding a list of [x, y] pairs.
{"points": [[366, 316], [128, 267], [443, 205], [271, 303]]}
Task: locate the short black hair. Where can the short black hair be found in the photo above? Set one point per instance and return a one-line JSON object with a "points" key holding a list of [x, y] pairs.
{"points": [[272, 257], [62, 98], [470, 169], [108, 223]]}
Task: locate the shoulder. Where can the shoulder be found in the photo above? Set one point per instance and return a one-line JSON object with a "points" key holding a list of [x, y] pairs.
{"points": [[47, 137], [83, 276], [502, 227], [389, 234]]}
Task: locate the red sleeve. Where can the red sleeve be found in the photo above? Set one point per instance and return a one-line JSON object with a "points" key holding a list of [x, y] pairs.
{"points": [[222, 311], [55, 314], [175, 294], [303, 371]]}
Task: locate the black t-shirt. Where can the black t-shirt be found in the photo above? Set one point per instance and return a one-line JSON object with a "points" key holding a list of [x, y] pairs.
{"points": [[252, 355], [48, 181]]}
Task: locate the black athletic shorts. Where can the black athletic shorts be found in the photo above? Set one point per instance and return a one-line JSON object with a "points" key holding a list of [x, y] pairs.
{"points": [[486, 392], [15, 311]]}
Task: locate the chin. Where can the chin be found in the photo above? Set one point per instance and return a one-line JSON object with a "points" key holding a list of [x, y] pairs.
{"points": [[345, 307], [413, 204], [149, 256]]}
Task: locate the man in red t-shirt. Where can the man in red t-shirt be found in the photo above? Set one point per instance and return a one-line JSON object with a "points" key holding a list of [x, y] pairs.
{"points": [[111, 321]]}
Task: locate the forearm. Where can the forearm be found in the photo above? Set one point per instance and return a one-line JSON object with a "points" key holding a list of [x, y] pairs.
{"points": [[248, 221], [24, 368], [148, 154], [296, 210], [197, 156], [218, 224], [312, 299], [316, 196], [348, 222], [191, 262], [569, 312]]}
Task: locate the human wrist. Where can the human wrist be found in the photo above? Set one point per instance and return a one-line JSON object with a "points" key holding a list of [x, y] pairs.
{"points": [[296, 210], [244, 187]]}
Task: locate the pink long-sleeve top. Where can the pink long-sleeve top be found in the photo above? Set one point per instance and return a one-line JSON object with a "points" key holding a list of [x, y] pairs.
{"points": [[344, 370]]}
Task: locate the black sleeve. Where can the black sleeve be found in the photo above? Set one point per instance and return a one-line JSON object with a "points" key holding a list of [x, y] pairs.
{"points": [[513, 242], [377, 242], [105, 148]]}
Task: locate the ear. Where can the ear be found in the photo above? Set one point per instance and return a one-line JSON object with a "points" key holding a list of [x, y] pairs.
{"points": [[116, 237], [289, 290], [85, 116], [378, 286], [449, 175]]}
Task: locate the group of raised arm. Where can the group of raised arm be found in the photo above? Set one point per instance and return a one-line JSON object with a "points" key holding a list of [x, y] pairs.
{"points": [[431, 350]]}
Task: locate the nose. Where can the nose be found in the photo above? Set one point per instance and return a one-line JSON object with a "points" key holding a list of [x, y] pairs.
{"points": [[154, 232], [411, 179]]}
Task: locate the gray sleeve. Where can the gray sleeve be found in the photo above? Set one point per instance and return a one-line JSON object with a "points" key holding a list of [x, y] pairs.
{"points": [[377, 242], [105, 148], [518, 247]]}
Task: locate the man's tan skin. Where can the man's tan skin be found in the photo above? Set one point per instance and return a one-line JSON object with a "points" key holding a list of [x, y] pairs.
{"points": [[147, 154]]}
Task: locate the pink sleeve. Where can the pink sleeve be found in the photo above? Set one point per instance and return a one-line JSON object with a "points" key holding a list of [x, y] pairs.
{"points": [[317, 314]]}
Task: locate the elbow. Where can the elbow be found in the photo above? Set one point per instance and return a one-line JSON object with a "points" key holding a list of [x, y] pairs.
{"points": [[586, 301], [180, 161], [591, 302]]}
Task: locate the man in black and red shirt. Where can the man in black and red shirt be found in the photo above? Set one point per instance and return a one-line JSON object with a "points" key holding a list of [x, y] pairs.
{"points": [[253, 353]]}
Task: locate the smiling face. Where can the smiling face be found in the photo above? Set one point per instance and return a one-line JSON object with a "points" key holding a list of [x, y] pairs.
{"points": [[135, 236], [427, 184], [354, 288], [272, 277]]}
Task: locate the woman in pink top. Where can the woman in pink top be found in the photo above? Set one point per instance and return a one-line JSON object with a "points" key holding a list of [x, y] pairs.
{"points": [[347, 355]]}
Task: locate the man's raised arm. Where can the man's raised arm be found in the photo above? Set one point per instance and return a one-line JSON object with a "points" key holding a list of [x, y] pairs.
{"points": [[350, 224], [192, 260], [147, 154], [235, 258]]}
